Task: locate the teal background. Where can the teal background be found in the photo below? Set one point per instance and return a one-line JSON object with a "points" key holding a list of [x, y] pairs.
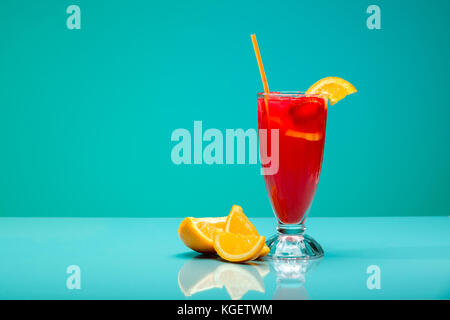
{"points": [[86, 115]]}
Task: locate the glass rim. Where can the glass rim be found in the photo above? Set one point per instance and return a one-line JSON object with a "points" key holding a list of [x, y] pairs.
{"points": [[288, 94]]}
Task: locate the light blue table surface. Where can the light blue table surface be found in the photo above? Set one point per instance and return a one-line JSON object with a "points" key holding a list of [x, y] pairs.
{"points": [[144, 259]]}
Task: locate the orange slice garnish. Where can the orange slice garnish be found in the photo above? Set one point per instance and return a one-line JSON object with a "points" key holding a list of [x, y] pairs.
{"points": [[304, 135], [334, 88]]}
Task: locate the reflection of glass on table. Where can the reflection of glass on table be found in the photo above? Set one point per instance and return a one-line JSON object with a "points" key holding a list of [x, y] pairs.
{"points": [[291, 278]]}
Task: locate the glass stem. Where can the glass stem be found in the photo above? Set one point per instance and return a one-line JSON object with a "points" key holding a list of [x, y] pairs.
{"points": [[291, 229]]}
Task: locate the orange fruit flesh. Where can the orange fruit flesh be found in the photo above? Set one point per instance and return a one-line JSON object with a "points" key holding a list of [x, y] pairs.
{"points": [[334, 88], [208, 228], [237, 247], [197, 233], [264, 251], [237, 222]]}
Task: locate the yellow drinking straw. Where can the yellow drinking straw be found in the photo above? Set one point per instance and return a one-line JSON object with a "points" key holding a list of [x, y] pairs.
{"points": [[263, 74], [260, 64]]}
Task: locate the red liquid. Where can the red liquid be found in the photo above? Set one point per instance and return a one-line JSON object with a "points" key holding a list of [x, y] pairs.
{"points": [[301, 121]]}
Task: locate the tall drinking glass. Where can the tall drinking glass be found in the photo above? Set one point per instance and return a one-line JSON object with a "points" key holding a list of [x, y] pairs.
{"points": [[301, 122]]}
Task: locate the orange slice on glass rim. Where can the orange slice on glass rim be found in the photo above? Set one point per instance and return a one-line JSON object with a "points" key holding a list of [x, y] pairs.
{"points": [[334, 88]]}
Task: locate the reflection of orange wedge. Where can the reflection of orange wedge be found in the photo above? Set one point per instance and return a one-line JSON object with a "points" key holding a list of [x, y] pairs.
{"points": [[197, 275], [204, 284], [238, 279], [197, 233], [262, 268], [316, 136]]}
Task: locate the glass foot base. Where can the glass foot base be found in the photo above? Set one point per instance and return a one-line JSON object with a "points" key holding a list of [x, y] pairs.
{"points": [[293, 246]]}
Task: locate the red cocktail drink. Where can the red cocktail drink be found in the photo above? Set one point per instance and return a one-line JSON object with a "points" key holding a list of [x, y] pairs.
{"points": [[301, 122]]}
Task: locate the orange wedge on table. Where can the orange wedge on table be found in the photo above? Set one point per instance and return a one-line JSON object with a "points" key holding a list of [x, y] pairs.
{"points": [[237, 247], [241, 242], [198, 233], [334, 88], [237, 222]]}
